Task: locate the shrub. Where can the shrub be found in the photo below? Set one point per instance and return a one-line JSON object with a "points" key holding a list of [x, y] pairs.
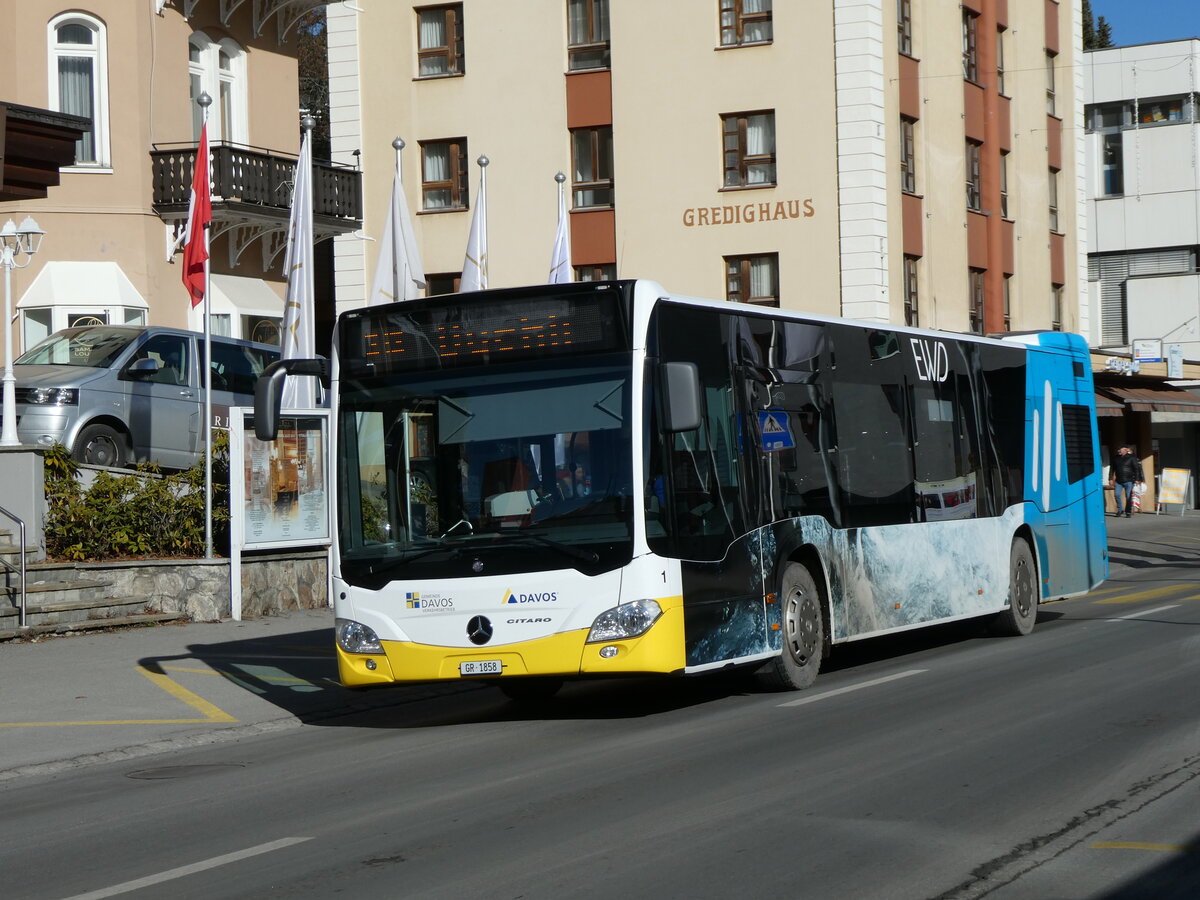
{"points": [[145, 514]]}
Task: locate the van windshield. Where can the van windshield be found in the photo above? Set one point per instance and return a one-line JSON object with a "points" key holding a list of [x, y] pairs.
{"points": [[94, 346]]}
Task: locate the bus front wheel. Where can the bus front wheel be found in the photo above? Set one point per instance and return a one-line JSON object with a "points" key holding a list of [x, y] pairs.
{"points": [[797, 665], [1021, 614]]}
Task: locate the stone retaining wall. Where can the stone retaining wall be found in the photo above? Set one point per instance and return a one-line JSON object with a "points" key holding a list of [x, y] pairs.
{"points": [[273, 583]]}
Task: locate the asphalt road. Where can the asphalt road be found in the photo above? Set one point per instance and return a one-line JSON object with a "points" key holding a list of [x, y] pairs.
{"points": [[944, 764]]}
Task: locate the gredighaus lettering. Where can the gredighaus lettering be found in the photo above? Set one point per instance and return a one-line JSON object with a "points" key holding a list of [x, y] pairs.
{"points": [[748, 213]]}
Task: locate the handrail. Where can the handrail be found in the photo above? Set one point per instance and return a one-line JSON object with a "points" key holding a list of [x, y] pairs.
{"points": [[20, 567]]}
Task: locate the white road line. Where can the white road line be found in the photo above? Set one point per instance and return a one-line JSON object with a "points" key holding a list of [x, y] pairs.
{"points": [[182, 871], [853, 687], [1144, 612]]}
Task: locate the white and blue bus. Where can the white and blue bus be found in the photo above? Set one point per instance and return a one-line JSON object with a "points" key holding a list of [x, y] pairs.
{"points": [[604, 479]]}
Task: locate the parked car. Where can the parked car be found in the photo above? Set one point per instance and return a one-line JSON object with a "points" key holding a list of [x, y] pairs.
{"points": [[121, 393]]}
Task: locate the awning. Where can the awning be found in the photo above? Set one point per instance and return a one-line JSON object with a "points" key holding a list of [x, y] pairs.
{"points": [[244, 296], [1162, 398], [1106, 406], [92, 285]]}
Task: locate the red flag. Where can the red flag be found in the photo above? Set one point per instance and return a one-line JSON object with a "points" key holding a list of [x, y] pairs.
{"points": [[195, 247]]}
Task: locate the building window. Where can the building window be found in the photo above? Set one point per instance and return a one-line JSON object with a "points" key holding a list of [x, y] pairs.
{"points": [[745, 22], [444, 175], [1054, 201], [442, 283], [908, 156], [1008, 303], [752, 279], [592, 158], [974, 178], [1051, 104], [218, 68], [1004, 184], [970, 45], [1056, 307], [440, 41], [79, 81], [1106, 116], [975, 310], [1112, 164], [606, 272], [587, 34], [749, 144], [1167, 111], [911, 313], [1000, 61], [904, 27]]}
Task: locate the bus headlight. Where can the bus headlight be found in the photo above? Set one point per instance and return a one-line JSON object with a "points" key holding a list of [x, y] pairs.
{"points": [[355, 637], [625, 621]]}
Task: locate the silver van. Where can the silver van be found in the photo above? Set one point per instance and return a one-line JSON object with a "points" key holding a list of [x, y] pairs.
{"points": [[116, 394]]}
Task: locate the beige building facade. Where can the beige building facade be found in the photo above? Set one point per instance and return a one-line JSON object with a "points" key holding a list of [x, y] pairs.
{"points": [[133, 69], [893, 160]]}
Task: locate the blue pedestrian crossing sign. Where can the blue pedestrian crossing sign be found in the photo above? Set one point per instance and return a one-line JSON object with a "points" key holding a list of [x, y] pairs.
{"points": [[775, 430]]}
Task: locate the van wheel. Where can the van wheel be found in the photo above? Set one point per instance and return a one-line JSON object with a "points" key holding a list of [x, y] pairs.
{"points": [[100, 445], [797, 665], [1021, 614]]}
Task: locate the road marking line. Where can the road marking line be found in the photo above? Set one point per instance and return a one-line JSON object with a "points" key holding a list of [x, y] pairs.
{"points": [[1144, 612], [225, 673], [183, 871], [179, 692], [853, 687], [1138, 845], [1149, 595]]}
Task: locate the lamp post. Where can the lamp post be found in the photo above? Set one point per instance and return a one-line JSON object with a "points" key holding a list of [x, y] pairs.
{"points": [[15, 241]]}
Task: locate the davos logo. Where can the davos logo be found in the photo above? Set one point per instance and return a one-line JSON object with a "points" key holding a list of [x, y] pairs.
{"points": [[931, 358], [413, 600], [534, 621], [514, 597]]}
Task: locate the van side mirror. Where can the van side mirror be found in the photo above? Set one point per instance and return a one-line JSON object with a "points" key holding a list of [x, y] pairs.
{"points": [[141, 369], [268, 391], [683, 406]]}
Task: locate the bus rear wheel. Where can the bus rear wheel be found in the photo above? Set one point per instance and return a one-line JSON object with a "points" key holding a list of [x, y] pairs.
{"points": [[797, 665], [1021, 614]]}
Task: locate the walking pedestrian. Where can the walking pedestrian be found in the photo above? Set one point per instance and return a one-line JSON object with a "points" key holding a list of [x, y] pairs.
{"points": [[1125, 472]]}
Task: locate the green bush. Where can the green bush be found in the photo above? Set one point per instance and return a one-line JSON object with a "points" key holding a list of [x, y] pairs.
{"points": [[146, 514]]}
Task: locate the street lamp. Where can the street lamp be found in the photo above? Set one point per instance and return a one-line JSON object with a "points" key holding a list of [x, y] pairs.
{"points": [[15, 241]]}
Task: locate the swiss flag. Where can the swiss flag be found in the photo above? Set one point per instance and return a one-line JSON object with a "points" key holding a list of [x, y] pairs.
{"points": [[195, 246]]}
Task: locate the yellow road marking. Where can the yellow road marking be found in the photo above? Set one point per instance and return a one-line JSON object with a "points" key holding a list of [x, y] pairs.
{"points": [[1138, 845], [210, 712], [1151, 594], [225, 673]]}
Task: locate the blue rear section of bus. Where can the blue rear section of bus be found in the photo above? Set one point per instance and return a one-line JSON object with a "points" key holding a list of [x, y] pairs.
{"points": [[1064, 491]]}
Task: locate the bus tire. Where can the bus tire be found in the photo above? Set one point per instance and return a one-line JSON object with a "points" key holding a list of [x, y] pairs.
{"points": [[1021, 614], [530, 690], [797, 665], [100, 445]]}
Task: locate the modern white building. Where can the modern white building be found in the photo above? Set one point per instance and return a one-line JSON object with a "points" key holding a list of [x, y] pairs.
{"points": [[1142, 143]]}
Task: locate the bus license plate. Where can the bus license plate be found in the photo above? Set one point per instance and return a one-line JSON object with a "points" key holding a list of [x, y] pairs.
{"points": [[480, 667]]}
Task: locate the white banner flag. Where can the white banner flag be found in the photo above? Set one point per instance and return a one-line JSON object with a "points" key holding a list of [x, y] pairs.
{"points": [[475, 266], [560, 259], [398, 273], [297, 339]]}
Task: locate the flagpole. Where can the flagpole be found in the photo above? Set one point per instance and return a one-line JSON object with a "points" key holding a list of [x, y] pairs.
{"points": [[399, 278], [205, 102], [483, 275]]}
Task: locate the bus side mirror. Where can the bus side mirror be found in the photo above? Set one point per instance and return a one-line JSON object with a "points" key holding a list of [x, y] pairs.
{"points": [[268, 391], [682, 403]]}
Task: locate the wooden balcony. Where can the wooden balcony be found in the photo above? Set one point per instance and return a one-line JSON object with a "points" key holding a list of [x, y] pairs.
{"points": [[252, 195]]}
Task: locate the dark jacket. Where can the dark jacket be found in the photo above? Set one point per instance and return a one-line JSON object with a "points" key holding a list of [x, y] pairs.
{"points": [[1127, 468]]}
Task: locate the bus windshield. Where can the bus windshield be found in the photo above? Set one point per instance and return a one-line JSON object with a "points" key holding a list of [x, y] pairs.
{"points": [[510, 468]]}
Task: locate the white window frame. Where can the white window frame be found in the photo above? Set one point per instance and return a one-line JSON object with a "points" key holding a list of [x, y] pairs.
{"points": [[98, 54], [208, 69]]}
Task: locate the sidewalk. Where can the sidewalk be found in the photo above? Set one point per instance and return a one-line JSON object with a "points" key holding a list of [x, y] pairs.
{"points": [[77, 699], [73, 700]]}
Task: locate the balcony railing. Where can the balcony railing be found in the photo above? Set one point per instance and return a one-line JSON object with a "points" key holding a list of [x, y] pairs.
{"points": [[250, 180]]}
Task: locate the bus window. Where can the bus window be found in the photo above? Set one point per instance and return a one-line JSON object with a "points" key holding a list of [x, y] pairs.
{"points": [[874, 463]]}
